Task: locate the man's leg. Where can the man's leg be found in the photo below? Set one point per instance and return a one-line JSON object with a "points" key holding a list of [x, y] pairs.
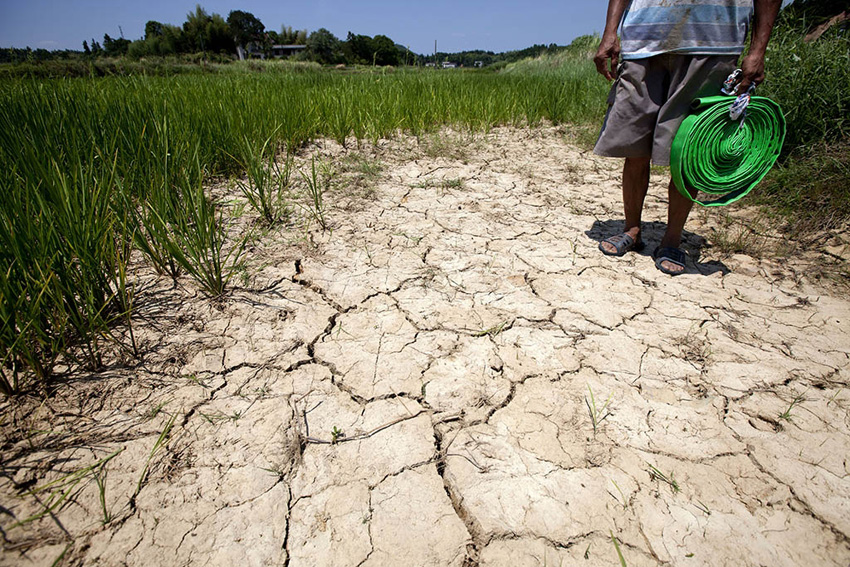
{"points": [[635, 185], [677, 213]]}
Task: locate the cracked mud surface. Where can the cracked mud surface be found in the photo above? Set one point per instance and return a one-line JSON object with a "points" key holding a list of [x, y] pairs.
{"points": [[448, 335]]}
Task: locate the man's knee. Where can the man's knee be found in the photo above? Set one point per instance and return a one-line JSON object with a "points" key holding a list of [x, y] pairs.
{"points": [[637, 163]]}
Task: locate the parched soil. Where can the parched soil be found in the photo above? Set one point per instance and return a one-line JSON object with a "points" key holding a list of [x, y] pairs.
{"points": [[456, 376]]}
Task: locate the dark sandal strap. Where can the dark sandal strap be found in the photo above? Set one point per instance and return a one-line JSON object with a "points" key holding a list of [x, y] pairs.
{"points": [[622, 242], [674, 255]]}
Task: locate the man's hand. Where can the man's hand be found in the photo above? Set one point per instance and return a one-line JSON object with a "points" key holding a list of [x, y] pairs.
{"points": [[752, 66], [609, 51], [752, 72]]}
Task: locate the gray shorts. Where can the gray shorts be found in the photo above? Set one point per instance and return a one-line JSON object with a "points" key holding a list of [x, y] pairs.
{"points": [[650, 99]]}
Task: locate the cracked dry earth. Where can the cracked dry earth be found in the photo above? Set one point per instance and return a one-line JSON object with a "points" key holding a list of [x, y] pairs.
{"points": [[499, 392]]}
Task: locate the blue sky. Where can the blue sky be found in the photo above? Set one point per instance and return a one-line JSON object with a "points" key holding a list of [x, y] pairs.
{"points": [[495, 25]]}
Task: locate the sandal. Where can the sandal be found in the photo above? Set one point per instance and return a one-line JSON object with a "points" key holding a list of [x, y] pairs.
{"points": [[623, 243], [669, 254]]}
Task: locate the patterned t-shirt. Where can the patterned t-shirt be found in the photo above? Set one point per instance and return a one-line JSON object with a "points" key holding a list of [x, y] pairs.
{"points": [[708, 27]]}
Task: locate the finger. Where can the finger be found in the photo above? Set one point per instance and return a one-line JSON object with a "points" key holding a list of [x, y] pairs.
{"points": [[600, 64], [602, 68]]}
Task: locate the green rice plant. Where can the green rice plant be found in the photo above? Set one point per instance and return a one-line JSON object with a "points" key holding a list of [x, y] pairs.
{"points": [[597, 415], [100, 479], [268, 184], [624, 501], [199, 243], [156, 207], [66, 252], [656, 474], [161, 442], [492, 331], [80, 210], [340, 114], [315, 206], [188, 229], [619, 552], [153, 236], [25, 342], [53, 495], [786, 415], [61, 556]]}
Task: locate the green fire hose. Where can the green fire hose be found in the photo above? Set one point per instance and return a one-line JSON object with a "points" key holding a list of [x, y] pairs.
{"points": [[723, 157]]}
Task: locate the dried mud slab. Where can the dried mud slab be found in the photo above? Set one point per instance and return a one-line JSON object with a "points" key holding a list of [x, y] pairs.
{"points": [[454, 375]]}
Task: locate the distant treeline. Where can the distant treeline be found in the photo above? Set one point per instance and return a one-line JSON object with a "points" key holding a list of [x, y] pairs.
{"points": [[487, 58], [242, 35]]}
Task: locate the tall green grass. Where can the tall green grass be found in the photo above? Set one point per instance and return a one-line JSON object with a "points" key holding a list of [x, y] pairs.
{"points": [[98, 167], [809, 190], [811, 82]]}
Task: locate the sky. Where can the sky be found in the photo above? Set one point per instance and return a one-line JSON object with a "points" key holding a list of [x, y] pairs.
{"points": [[458, 25]]}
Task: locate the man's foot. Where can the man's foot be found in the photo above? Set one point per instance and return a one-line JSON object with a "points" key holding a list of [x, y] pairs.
{"points": [[669, 260], [619, 244]]}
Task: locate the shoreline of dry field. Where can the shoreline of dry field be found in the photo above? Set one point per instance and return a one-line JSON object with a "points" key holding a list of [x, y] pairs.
{"points": [[454, 375]]}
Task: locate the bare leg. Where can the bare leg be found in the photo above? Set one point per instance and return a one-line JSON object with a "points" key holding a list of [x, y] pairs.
{"points": [[677, 213], [635, 185]]}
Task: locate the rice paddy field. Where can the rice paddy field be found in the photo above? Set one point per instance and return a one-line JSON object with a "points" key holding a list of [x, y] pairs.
{"points": [[305, 316], [101, 167]]}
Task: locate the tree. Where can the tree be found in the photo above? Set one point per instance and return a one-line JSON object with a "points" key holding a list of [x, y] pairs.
{"points": [[219, 35], [205, 32], [152, 29], [86, 49], [195, 28], [115, 47], [288, 36], [324, 47], [160, 40], [359, 48], [386, 53], [245, 28]]}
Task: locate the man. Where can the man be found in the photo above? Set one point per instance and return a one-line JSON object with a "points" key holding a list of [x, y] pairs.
{"points": [[673, 51]]}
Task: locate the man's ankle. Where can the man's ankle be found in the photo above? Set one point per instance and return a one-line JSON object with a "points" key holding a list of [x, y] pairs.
{"points": [[670, 242], [634, 232]]}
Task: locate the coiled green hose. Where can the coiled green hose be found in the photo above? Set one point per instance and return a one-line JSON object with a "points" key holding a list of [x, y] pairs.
{"points": [[719, 156]]}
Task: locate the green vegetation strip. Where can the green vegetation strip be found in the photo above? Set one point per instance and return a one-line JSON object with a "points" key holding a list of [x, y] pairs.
{"points": [[722, 157]]}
